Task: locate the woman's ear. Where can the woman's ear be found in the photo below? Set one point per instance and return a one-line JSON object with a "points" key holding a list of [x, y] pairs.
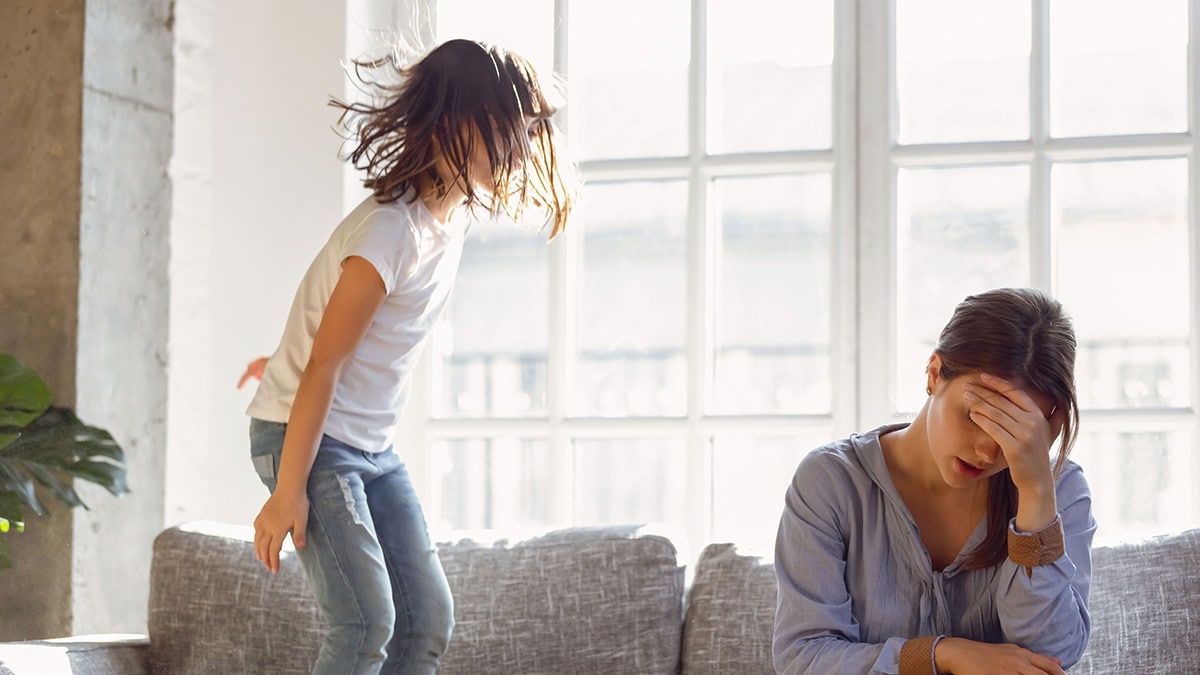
{"points": [[933, 373]]}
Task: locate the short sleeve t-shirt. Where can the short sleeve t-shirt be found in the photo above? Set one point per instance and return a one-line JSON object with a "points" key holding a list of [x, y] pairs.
{"points": [[417, 258]]}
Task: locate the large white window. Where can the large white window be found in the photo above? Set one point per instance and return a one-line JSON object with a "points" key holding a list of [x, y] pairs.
{"points": [[783, 202]]}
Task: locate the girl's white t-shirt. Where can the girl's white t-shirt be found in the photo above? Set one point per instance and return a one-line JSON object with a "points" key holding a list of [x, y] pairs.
{"points": [[417, 258]]}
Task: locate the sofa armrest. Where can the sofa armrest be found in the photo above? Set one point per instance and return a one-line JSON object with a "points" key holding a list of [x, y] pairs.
{"points": [[119, 654]]}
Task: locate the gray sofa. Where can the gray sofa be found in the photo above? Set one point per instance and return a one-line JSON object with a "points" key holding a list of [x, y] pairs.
{"points": [[574, 601]]}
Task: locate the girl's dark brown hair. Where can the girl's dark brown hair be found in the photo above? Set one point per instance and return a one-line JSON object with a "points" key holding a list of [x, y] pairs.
{"points": [[1022, 335], [460, 94]]}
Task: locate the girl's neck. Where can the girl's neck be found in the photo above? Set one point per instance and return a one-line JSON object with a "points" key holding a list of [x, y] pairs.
{"points": [[441, 205]]}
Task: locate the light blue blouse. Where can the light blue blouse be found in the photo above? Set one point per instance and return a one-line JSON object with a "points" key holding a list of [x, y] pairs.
{"points": [[855, 581]]}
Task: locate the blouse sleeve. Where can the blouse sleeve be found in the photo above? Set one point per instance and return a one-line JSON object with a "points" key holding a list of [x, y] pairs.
{"points": [[815, 631], [1044, 607]]}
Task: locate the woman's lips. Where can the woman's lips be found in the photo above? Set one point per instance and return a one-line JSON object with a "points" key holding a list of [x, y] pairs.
{"points": [[969, 470]]}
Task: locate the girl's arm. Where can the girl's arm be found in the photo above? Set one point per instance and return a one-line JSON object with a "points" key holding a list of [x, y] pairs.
{"points": [[351, 308], [254, 369]]}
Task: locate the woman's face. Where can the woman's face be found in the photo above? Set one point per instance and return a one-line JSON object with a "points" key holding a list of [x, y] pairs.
{"points": [[963, 452]]}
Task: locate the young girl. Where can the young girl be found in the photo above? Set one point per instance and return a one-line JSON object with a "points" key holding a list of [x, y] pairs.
{"points": [[950, 544], [467, 126]]}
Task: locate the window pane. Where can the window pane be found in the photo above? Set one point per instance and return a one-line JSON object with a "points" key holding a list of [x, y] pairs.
{"points": [[959, 231], [750, 476], [491, 345], [1118, 67], [486, 483], [1141, 481], [633, 304], [629, 481], [1123, 273], [524, 26], [962, 70], [770, 83], [629, 78], [773, 320]]}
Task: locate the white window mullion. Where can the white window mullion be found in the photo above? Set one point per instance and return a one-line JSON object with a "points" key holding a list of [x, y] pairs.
{"points": [[1193, 97], [876, 212], [564, 262], [845, 237], [700, 268], [1040, 236]]}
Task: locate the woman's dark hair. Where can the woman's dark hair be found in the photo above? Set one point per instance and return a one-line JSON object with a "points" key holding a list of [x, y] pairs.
{"points": [[1025, 336], [461, 93]]}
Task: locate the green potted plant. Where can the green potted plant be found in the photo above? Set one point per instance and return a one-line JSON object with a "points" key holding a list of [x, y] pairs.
{"points": [[48, 445]]}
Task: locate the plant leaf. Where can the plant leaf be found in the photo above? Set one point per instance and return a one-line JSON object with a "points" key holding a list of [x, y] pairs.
{"points": [[11, 509], [58, 438], [109, 476], [65, 493], [23, 395], [12, 478]]}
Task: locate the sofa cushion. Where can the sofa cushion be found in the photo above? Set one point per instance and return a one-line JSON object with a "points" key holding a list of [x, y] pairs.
{"points": [[582, 600], [215, 609], [730, 615], [1143, 603]]}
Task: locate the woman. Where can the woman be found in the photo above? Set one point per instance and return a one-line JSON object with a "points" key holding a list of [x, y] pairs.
{"points": [[951, 544]]}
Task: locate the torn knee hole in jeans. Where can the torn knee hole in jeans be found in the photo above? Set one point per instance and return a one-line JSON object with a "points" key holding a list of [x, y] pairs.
{"points": [[348, 495]]}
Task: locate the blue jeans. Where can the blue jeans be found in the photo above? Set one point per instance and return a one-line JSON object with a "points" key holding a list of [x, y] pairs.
{"points": [[369, 560]]}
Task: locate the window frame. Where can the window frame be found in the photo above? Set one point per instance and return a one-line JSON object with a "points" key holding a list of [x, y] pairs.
{"points": [[865, 160], [881, 159]]}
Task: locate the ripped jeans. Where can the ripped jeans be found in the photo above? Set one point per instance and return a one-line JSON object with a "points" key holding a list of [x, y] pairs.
{"points": [[369, 560]]}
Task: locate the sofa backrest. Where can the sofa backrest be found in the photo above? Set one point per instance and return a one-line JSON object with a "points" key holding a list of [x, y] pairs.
{"points": [[1144, 604], [584, 600], [1145, 607], [603, 600], [730, 614], [215, 609]]}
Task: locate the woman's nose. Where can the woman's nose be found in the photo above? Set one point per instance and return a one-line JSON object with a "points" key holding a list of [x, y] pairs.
{"points": [[988, 449]]}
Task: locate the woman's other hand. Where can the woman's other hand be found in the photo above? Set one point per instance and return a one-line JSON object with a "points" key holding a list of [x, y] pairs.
{"points": [[959, 656]]}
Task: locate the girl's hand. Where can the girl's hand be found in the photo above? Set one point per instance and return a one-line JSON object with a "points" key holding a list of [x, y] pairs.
{"points": [[1024, 428], [253, 369], [284, 512], [959, 656]]}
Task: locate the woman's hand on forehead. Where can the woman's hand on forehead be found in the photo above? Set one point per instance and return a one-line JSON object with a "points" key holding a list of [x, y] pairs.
{"points": [[1013, 417]]}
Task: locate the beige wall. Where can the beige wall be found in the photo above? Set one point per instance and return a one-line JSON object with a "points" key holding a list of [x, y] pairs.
{"points": [[84, 229], [41, 76], [168, 171]]}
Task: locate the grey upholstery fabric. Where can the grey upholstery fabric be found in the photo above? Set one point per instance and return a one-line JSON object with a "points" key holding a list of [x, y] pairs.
{"points": [[730, 614], [1145, 606], [584, 600], [127, 656], [215, 609]]}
